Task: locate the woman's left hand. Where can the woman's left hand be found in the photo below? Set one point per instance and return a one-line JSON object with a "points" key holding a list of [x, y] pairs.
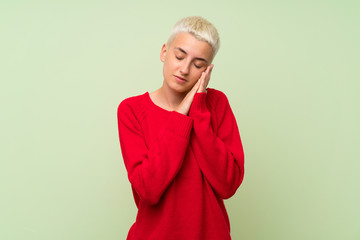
{"points": [[205, 78]]}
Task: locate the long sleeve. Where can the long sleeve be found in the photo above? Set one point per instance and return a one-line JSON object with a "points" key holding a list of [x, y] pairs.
{"points": [[151, 169], [220, 156]]}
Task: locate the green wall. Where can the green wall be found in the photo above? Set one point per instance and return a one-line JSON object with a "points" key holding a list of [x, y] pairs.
{"points": [[289, 68]]}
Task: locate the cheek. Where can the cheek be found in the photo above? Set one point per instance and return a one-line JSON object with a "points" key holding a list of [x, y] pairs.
{"points": [[168, 66], [197, 73], [171, 65]]}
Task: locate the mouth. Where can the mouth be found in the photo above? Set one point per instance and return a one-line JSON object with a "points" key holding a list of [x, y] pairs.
{"points": [[180, 79]]}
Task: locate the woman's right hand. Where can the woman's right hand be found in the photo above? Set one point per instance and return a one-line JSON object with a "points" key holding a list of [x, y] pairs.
{"points": [[184, 106]]}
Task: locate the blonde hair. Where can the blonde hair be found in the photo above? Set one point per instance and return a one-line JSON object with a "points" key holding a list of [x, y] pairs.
{"points": [[200, 28]]}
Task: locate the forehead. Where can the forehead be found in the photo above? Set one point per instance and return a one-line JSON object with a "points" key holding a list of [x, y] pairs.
{"points": [[192, 46]]}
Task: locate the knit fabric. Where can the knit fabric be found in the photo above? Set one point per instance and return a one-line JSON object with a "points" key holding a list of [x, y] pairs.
{"points": [[181, 167]]}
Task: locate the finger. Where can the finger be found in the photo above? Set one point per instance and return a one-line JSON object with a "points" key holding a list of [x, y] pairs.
{"points": [[208, 70], [204, 82], [201, 80], [208, 74], [211, 68], [198, 83]]}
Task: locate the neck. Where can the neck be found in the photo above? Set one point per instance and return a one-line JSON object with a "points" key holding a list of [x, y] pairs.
{"points": [[170, 97]]}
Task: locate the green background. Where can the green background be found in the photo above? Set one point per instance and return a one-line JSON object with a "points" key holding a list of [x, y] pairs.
{"points": [[290, 70]]}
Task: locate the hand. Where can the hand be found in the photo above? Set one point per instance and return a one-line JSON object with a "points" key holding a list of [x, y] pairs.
{"points": [[185, 104], [205, 78], [200, 86]]}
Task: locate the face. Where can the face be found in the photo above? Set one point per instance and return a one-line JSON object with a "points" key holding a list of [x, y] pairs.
{"points": [[184, 61]]}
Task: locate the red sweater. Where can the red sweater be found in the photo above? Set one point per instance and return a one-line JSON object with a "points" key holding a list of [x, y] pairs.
{"points": [[181, 167]]}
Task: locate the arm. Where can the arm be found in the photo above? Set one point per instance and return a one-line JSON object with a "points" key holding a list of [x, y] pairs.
{"points": [[220, 156], [151, 170]]}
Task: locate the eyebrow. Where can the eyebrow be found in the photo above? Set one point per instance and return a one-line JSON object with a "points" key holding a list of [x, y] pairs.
{"points": [[182, 50]]}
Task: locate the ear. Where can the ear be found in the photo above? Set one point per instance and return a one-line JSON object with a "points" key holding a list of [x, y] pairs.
{"points": [[163, 52]]}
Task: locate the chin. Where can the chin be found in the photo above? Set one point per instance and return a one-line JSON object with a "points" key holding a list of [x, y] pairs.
{"points": [[180, 89]]}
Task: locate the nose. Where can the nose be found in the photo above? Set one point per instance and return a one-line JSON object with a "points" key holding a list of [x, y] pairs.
{"points": [[185, 68]]}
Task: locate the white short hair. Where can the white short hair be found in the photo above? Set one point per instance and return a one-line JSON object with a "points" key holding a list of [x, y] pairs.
{"points": [[200, 28]]}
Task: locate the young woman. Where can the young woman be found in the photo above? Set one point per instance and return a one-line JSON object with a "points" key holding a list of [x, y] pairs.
{"points": [[181, 144]]}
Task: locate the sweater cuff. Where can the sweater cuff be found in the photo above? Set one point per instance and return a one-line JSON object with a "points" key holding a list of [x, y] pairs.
{"points": [[180, 124], [199, 103]]}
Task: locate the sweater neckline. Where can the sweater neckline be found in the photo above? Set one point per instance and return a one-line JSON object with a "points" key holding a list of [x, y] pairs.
{"points": [[154, 105]]}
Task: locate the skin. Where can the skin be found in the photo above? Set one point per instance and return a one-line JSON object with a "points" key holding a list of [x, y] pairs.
{"points": [[185, 58]]}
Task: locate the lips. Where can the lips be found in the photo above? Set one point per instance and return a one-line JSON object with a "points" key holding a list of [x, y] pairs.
{"points": [[180, 78]]}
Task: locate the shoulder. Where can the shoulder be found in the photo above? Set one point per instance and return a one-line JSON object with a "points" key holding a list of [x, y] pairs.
{"points": [[132, 105], [219, 104], [216, 97]]}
